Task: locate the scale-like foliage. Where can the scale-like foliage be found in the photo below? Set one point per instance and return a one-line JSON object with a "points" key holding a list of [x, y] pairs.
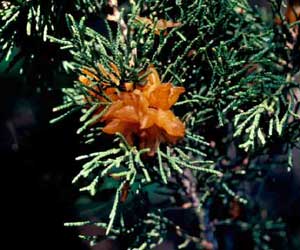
{"points": [[24, 27], [166, 89], [224, 55]]}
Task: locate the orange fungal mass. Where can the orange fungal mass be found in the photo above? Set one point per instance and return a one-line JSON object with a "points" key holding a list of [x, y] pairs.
{"points": [[160, 25], [293, 11], [142, 114]]}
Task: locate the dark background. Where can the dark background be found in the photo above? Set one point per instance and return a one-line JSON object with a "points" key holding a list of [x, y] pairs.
{"points": [[37, 164]]}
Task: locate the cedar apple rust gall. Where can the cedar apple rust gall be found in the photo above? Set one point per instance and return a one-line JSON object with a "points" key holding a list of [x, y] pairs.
{"points": [[141, 113]]}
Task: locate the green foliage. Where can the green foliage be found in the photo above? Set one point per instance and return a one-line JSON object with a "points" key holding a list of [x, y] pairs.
{"points": [[239, 75], [25, 26], [223, 54], [227, 59]]}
